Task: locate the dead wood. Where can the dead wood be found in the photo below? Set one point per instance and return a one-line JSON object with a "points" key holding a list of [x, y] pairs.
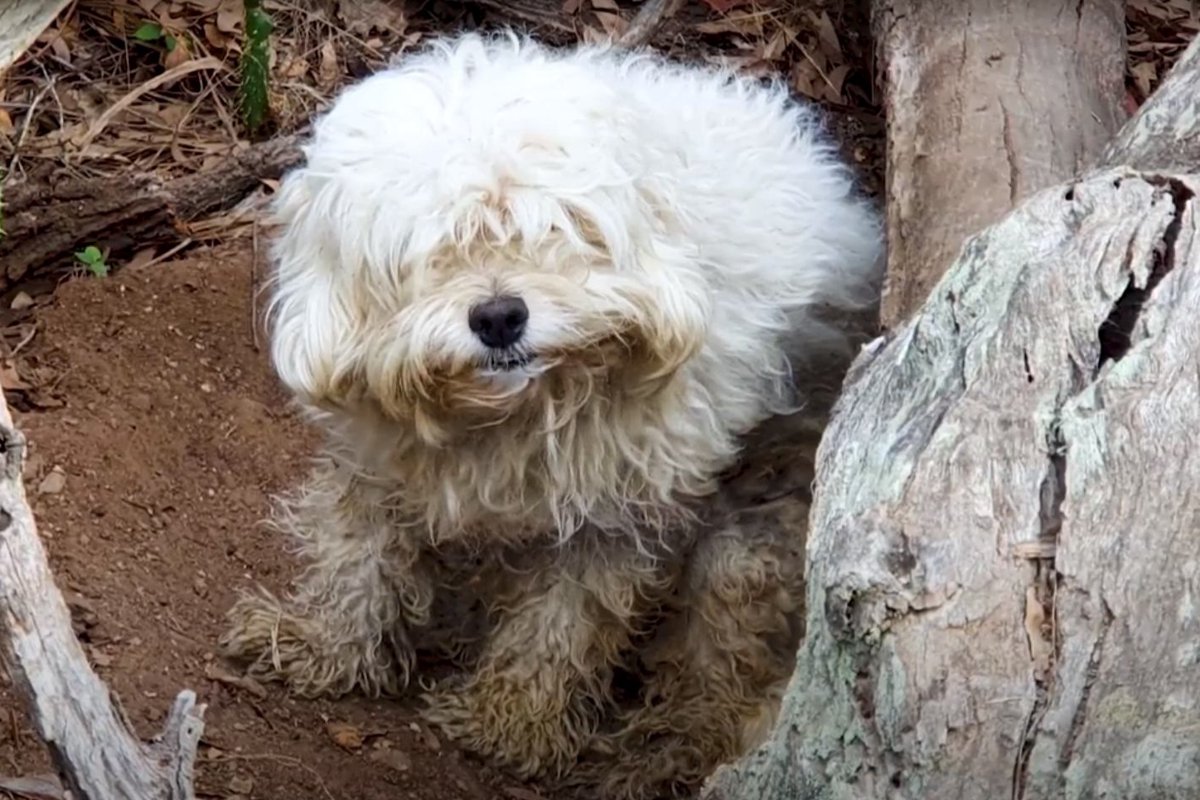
{"points": [[987, 101], [21, 22], [93, 747], [45, 223], [1001, 563]]}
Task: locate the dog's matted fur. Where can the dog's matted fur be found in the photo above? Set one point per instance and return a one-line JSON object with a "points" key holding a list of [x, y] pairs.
{"points": [[536, 298]]}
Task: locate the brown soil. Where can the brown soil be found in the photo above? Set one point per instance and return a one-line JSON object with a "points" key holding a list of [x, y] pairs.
{"points": [[172, 434]]}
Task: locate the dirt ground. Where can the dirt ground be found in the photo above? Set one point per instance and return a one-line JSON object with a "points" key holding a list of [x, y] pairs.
{"points": [[153, 453]]}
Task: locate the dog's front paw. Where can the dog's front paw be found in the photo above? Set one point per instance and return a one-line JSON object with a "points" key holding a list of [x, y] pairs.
{"points": [[632, 765], [533, 727], [308, 654]]}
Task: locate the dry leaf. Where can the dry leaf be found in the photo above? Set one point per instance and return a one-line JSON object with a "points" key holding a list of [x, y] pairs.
{"points": [[241, 785], [344, 735], [177, 54], [10, 378], [827, 36], [614, 24], [295, 68], [328, 72], [217, 38], [363, 16], [836, 79], [230, 15], [54, 482], [142, 257], [1145, 75]]}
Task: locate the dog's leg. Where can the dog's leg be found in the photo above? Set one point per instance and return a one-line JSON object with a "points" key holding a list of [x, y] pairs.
{"points": [[716, 670], [347, 626], [545, 676]]}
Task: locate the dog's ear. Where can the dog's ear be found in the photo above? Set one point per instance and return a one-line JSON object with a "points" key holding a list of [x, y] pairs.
{"points": [[673, 317], [313, 316]]}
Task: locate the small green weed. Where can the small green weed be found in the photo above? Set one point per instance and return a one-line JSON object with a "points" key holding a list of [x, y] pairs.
{"points": [[255, 65], [153, 32], [93, 260]]}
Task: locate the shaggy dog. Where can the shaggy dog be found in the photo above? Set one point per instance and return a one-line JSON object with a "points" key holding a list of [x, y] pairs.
{"points": [[535, 299]]}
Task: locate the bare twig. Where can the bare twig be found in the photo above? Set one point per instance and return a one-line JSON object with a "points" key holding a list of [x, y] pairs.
{"points": [[97, 754]]}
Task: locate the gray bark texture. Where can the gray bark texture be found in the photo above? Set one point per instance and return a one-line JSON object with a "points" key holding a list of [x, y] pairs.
{"points": [[1002, 563], [987, 101], [96, 753], [21, 22]]}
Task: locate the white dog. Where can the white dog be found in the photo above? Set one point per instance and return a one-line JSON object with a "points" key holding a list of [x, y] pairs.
{"points": [[535, 298]]}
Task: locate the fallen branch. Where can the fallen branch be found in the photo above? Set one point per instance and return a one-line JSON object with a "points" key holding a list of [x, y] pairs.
{"points": [[91, 744], [45, 224]]}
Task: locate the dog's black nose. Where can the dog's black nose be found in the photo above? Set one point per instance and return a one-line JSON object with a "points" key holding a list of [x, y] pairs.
{"points": [[499, 322]]}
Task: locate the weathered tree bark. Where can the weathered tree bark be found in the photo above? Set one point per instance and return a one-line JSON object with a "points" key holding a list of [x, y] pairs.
{"points": [[1163, 134], [45, 224], [1002, 566], [987, 101], [94, 749], [21, 22]]}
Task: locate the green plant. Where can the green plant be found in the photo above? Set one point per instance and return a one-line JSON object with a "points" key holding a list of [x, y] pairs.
{"points": [[153, 32], [255, 65], [93, 260]]}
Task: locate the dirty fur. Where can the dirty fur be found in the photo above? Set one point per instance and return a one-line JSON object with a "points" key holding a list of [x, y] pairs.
{"points": [[549, 523]]}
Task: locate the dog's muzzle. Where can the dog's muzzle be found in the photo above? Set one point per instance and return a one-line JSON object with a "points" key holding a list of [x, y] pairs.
{"points": [[499, 323]]}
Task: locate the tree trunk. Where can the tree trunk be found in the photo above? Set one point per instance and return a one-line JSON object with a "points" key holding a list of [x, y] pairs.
{"points": [[21, 22], [96, 753], [44, 225], [987, 102], [1002, 574]]}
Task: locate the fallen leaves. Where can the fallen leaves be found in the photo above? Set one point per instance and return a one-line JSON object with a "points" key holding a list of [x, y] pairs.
{"points": [[366, 17], [1157, 33], [345, 735]]}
